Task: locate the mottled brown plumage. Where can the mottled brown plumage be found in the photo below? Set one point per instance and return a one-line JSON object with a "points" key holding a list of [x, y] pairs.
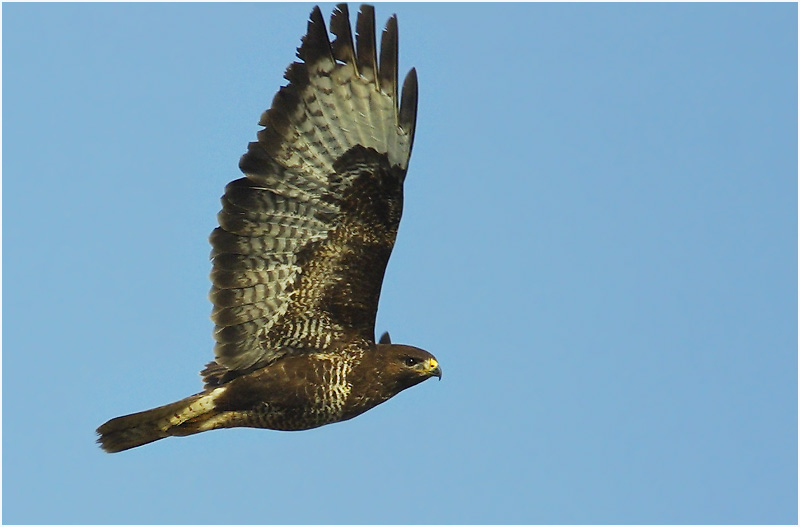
{"points": [[301, 250]]}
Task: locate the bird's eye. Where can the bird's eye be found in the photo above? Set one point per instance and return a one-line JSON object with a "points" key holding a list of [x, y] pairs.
{"points": [[410, 361]]}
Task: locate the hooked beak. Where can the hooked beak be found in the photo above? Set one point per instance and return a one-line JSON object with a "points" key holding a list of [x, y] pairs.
{"points": [[434, 370]]}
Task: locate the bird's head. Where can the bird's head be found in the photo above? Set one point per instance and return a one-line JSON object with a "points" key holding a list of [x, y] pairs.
{"points": [[407, 366]]}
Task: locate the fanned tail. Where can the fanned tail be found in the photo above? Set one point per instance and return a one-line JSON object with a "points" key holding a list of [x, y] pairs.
{"points": [[185, 417]]}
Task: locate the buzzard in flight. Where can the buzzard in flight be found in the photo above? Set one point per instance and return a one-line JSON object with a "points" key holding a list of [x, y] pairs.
{"points": [[301, 249]]}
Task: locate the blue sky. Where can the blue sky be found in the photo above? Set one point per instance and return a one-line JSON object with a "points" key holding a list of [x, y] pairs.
{"points": [[599, 244]]}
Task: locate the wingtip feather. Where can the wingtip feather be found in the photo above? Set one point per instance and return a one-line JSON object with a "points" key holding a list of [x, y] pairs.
{"points": [[365, 43], [389, 58], [342, 45], [315, 43], [408, 103]]}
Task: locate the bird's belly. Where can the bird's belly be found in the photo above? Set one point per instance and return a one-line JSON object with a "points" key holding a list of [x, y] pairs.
{"points": [[277, 417], [289, 419]]}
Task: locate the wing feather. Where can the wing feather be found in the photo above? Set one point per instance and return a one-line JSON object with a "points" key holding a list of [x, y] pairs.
{"points": [[365, 44], [388, 64], [342, 45], [304, 238], [408, 108]]}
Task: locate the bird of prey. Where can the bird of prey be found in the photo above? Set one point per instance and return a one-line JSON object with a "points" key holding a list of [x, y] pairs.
{"points": [[302, 247]]}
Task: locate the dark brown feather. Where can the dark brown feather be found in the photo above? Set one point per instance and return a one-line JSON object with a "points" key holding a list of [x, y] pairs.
{"points": [[388, 62], [365, 44], [408, 105], [342, 45]]}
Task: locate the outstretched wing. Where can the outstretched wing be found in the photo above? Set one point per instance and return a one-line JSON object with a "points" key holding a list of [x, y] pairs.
{"points": [[303, 241]]}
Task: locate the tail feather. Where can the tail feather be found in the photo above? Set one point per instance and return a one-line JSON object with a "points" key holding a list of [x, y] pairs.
{"points": [[181, 418]]}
